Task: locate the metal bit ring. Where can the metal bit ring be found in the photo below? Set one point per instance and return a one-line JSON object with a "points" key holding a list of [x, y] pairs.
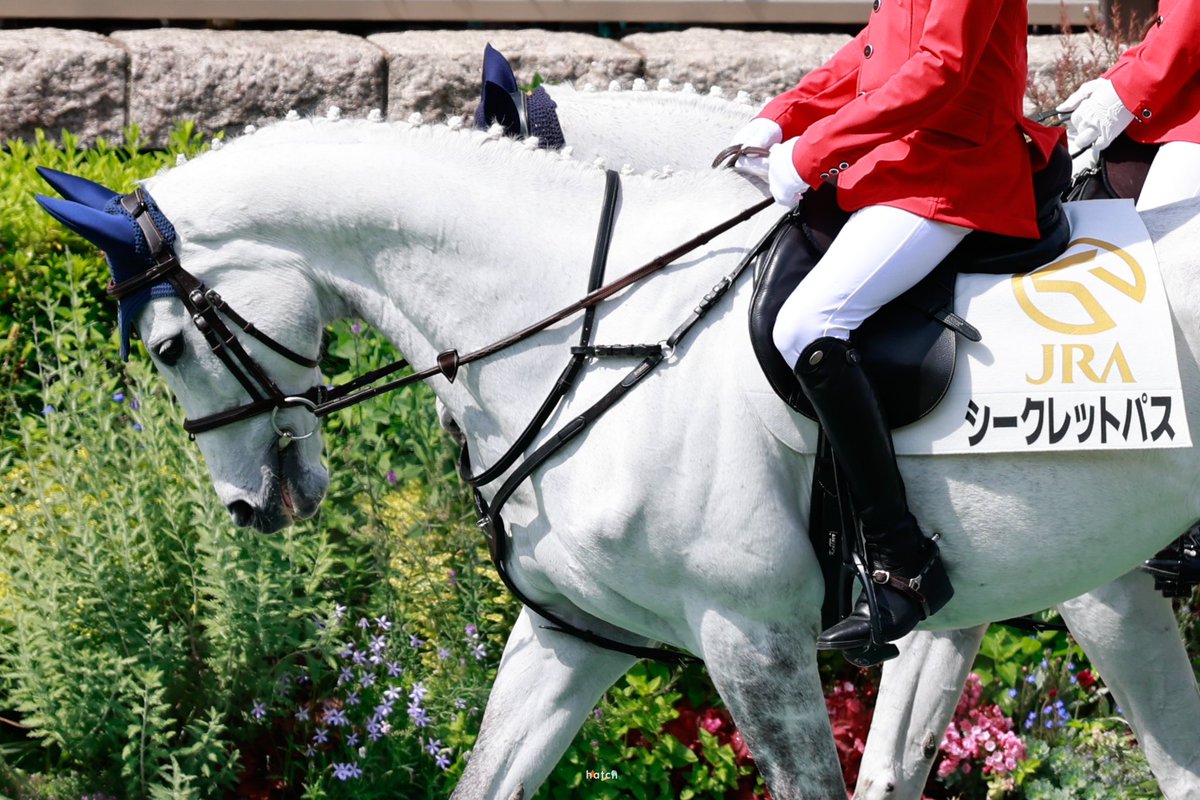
{"points": [[286, 437]]}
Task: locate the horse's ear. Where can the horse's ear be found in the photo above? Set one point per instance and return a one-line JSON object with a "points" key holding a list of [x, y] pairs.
{"points": [[112, 233], [81, 190]]}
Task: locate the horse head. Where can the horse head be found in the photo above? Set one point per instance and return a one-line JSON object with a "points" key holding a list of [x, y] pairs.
{"points": [[264, 460]]}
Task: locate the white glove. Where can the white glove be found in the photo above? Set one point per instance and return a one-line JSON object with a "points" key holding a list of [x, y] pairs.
{"points": [[1077, 97], [758, 132], [1098, 118], [786, 184]]}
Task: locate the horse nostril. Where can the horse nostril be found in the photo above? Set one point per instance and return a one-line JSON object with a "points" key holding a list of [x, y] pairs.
{"points": [[242, 513]]}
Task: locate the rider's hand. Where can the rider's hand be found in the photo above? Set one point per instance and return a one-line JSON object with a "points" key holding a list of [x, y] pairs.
{"points": [[786, 184], [1098, 118], [759, 132], [1078, 96]]}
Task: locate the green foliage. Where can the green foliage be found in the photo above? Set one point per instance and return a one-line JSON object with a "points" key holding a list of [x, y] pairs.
{"points": [[623, 751], [136, 626], [1095, 760]]}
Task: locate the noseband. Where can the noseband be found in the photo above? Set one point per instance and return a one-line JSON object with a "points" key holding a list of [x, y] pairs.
{"points": [[209, 312]]}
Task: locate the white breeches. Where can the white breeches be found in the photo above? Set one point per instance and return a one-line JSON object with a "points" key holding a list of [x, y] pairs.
{"points": [[879, 254], [1174, 175]]}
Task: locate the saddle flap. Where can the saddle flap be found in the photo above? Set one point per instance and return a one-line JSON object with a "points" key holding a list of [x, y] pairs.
{"points": [[908, 354]]}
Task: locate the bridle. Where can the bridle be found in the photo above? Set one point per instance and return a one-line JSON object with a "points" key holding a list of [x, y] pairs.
{"points": [[209, 312]]}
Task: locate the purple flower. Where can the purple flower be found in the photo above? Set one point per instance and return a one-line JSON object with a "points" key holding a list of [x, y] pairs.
{"points": [[119, 397], [378, 643], [418, 715], [302, 714], [352, 699], [346, 676], [444, 653], [415, 642], [344, 772], [339, 611], [258, 710], [352, 740], [391, 477], [433, 746], [310, 751], [363, 623], [472, 632], [383, 711], [321, 736], [374, 731], [479, 652], [443, 761], [137, 427], [418, 692], [47, 410], [367, 680], [359, 657], [394, 669], [392, 694], [356, 327], [459, 703], [336, 717], [452, 577], [383, 623]]}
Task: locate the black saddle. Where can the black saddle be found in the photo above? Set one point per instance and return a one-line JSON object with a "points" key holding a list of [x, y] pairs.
{"points": [[908, 347], [1121, 172]]}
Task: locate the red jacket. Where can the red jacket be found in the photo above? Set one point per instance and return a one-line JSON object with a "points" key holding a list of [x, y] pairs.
{"points": [[1159, 80], [923, 111]]}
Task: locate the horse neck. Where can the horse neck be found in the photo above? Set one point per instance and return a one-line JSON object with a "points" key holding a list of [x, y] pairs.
{"points": [[441, 246]]}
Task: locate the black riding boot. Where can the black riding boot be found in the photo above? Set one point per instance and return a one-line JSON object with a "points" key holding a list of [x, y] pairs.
{"points": [[911, 582]]}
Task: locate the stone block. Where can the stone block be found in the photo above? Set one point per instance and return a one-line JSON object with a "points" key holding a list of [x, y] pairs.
{"points": [[61, 79], [226, 79], [438, 72], [762, 63]]}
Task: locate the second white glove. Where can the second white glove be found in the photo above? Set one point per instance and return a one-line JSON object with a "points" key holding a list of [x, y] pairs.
{"points": [[1099, 118], [786, 184]]}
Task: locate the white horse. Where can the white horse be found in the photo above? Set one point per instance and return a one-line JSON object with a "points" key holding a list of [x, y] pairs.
{"points": [[1127, 628], [678, 517]]}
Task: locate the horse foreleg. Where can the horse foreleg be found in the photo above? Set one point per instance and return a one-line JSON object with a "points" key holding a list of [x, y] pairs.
{"points": [[1129, 632], [546, 685], [769, 681], [918, 692]]}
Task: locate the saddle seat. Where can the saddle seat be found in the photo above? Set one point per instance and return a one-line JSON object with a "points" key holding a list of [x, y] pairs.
{"points": [[908, 347]]}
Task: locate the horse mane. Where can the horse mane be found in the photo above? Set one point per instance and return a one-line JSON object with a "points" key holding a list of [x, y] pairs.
{"points": [[451, 139]]}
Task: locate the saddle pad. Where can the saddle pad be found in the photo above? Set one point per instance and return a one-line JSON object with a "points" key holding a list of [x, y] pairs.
{"points": [[1076, 355]]}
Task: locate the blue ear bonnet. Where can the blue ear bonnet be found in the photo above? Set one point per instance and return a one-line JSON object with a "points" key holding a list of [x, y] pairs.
{"points": [[502, 101], [95, 213], [127, 265]]}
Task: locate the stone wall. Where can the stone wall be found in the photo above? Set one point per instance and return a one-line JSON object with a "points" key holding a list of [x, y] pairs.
{"points": [[95, 85]]}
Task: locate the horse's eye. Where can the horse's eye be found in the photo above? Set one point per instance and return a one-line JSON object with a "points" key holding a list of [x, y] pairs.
{"points": [[170, 350]]}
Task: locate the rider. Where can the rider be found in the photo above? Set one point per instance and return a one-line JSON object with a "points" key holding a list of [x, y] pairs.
{"points": [[1157, 86], [918, 122]]}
